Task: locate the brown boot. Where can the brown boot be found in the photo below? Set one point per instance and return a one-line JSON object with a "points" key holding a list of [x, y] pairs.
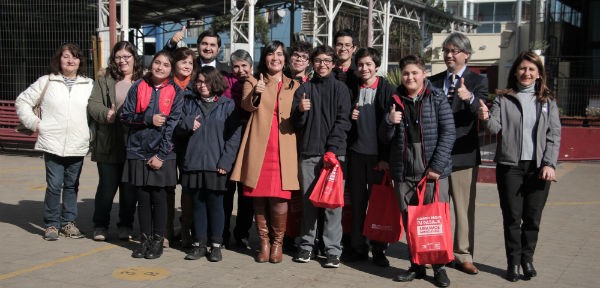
{"points": [[262, 229], [278, 224]]}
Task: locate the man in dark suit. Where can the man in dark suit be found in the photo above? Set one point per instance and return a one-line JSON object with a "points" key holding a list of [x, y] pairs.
{"points": [[209, 44], [464, 89]]}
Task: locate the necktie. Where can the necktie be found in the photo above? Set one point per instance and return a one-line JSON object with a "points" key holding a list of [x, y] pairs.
{"points": [[451, 88]]}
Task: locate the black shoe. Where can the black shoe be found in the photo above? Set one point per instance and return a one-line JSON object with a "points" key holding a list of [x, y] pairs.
{"points": [[440, 278], [354, 256], [142, 248], [155, 249], [303, 256], [379, 259], [414, 272], [215, 253], [512, 273], [333, 261], [243, 243], [528, 270], [196, 253]]}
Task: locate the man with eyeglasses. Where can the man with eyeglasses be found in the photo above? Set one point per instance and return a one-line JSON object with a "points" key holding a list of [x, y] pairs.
{"points": [[345, 69], [299, 64], [321, 119], [463, 88]]}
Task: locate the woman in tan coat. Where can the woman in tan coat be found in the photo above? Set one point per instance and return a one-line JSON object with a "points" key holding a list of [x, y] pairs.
{"points": [[267, 162]]}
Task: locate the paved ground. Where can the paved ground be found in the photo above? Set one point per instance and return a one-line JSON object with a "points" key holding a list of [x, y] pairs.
{"points": [[567, 253]]}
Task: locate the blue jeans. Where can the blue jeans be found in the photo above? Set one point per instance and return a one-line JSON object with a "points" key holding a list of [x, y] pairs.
{"points": [[62, 174], [208, 212], [109, 180]]}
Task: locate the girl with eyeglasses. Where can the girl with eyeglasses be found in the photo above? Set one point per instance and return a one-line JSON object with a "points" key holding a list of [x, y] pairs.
{"points": [[210, 126]]}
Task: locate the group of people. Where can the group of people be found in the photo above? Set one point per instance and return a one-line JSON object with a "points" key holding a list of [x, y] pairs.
{"points": [[216, 129]]}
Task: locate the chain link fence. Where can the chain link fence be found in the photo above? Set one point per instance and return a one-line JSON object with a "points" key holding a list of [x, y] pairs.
{"points": [[32, 29]]}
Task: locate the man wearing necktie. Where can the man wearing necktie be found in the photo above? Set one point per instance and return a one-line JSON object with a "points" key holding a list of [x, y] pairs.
{"points": [[463, 88]]}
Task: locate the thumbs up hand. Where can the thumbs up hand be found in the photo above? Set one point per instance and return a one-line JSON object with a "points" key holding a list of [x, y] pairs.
{"points": [[355, 112], [110, 115], [260, 85], [178, 36], [462, 91], [484, 112], [395, 117], [304, 103], [196, 123]]}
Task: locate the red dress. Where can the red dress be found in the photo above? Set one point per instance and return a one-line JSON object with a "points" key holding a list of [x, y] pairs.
{"points": [[269, 181]]}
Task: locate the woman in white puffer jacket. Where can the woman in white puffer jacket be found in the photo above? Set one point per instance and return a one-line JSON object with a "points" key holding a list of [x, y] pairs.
{"points": [[63, 134]]}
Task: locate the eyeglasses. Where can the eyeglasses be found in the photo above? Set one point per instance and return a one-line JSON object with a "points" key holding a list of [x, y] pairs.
{"points": [[342, 45], [124, 57], [452, 51], [300, 57], [323, 61], [199, 83]]}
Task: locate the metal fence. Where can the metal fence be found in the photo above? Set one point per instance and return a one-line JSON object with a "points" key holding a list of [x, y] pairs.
{"points": [[32, 29], [576, 82]]}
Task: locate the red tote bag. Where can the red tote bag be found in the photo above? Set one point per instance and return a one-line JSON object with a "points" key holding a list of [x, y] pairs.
{"points": [[383, 222], [429, 231], [329, 189]]}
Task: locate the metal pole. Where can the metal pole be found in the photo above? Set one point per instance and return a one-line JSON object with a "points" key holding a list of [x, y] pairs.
{"points": [[518, 29], [330, 16], [386, 38], [370, 25], [251, 4], [533, 21], [112, 22], [125, 19]]}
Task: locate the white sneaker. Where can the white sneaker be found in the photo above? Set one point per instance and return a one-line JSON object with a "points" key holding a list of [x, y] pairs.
{"points": [[100, 234]]}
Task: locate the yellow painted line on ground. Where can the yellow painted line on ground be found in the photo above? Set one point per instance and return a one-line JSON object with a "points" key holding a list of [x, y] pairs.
{"points": [[547, 204], [54, 262]]}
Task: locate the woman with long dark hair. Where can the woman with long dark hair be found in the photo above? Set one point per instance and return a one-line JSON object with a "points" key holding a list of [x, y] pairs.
{"points": [[527, 116], [151, 111], [267, 162], [104, 106]]}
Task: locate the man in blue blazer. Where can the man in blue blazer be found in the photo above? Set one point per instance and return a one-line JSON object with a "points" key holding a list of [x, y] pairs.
{"points": [[464, 89]]}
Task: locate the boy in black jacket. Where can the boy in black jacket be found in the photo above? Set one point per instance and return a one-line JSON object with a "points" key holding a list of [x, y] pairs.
{"points": [[320, 113]]}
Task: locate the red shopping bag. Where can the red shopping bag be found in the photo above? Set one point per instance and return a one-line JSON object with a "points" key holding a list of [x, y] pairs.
{"points": [[329, 189], [429, 231], [383, 222]]}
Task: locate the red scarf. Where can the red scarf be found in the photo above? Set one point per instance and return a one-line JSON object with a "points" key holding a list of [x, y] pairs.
{"points": [[182, 83], [165, 99]]}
